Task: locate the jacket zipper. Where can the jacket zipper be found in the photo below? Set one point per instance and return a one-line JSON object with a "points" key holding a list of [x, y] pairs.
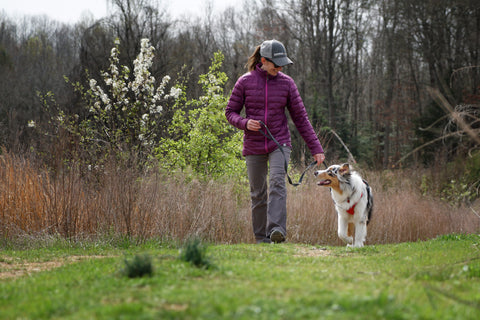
{"points": [[266, 111]]}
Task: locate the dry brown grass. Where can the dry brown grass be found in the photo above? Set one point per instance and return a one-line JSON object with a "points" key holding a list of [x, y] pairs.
{"points": [[121, 203], [118, 203], [23, 206]]}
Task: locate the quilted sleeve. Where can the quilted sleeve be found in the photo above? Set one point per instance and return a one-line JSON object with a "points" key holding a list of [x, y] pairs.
{"points": [[235, 105]]}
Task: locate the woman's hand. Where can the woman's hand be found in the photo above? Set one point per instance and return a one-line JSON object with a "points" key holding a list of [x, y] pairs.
{"points": [[253, 125], [319, 157]]}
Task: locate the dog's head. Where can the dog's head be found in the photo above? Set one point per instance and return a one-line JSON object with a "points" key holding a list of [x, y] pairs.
{"points": [[333, 176]]}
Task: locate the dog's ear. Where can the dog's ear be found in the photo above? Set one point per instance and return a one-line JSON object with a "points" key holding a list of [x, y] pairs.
{"points": [[344, 169]]}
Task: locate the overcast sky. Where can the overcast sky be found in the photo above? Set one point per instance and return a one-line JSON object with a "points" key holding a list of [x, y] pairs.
{"points": [[71, 10]]}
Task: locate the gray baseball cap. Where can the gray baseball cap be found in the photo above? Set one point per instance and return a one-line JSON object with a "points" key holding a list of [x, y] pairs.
{"points": [[275, 51]]}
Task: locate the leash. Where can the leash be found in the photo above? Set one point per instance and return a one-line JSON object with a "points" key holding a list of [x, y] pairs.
{"points": [[271, 137]]}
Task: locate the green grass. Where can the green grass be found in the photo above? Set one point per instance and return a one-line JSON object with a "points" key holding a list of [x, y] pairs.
{"points": [[437, 279]]}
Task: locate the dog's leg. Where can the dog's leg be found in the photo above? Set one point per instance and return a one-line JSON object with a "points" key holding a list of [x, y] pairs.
{"points": [[360, 234], [343, 230], [351, 229]]}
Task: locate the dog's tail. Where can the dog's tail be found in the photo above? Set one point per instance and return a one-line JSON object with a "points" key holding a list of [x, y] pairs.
{"points": [[370, 201]]}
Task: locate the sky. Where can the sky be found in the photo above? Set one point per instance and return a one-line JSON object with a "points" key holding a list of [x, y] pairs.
{"points": [[70, 11]]}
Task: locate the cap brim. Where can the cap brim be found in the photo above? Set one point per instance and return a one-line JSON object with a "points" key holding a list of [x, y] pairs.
{"points": [[281, 62]]}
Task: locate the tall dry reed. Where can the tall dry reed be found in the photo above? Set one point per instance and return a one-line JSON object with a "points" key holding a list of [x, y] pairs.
{"points": [[123, 203]]}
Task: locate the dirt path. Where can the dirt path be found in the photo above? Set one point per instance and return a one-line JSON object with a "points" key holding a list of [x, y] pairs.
{"points": [[14, 268], [312, 252]]}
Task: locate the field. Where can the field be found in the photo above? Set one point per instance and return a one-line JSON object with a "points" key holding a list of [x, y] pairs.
{"points": [[114, 204], [435, 279], [66, 236]]}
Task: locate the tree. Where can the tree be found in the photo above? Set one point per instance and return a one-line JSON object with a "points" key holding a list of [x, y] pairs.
{"points": [[36, 54]]}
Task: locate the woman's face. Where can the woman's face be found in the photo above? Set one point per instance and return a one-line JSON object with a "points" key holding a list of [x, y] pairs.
{"points": [[270, 67]]}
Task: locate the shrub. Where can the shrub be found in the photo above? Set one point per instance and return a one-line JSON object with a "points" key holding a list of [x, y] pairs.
{"points": [[458, 182], [201, 138], [195, 252], [139, 266]]}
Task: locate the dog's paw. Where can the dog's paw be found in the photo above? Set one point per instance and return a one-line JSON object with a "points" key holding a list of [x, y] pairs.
{"points": [[360, 245], [345, 238]]}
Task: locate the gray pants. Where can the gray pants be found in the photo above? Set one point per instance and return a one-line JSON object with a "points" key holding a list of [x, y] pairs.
{"points": [[269, 203]]}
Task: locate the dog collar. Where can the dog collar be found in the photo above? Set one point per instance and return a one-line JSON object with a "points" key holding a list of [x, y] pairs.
{"points": [[352, 208]]}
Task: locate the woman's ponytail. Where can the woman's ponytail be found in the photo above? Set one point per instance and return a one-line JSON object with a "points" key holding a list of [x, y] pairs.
{"points": [[254, 59]]}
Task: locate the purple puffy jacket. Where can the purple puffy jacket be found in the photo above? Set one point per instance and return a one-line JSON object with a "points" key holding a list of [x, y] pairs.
{"points": [[265, 98]]}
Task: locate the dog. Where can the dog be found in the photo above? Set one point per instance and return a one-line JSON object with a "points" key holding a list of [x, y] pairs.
{"points": [[353, 201]]}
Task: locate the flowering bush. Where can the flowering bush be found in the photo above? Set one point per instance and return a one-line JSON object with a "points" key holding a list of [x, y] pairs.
{"points": [[125, 109], [122, 112]]}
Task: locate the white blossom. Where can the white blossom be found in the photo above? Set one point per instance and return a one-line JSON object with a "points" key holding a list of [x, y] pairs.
{"points": [[114, 52], [155, 109], [31, 124], [93, 83], [145, 42], [212, 79], [213, 89], [175, 92], [104, 98], [165, 80]]}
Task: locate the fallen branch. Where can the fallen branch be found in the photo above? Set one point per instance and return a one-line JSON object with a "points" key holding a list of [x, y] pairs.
{"points": [[466, 129], [425, 145], [350, 156], [475, 212], [436, 95]]}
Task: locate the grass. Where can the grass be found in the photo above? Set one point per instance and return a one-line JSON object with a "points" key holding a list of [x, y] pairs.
{"points": [[435, 279]]}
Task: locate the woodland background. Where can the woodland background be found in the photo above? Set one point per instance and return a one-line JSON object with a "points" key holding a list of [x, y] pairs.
{"points": [[362, 67], [396, 81]]}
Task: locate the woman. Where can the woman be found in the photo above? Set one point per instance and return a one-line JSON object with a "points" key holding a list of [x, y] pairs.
{"points": [[265, 92]]}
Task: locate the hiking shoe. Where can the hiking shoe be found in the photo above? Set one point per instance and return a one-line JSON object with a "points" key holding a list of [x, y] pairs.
{"points": [[277, 236]]}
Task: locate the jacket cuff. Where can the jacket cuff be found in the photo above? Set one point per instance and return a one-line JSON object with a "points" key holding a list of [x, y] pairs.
{"points": [[317, 150], [243, 124]]}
